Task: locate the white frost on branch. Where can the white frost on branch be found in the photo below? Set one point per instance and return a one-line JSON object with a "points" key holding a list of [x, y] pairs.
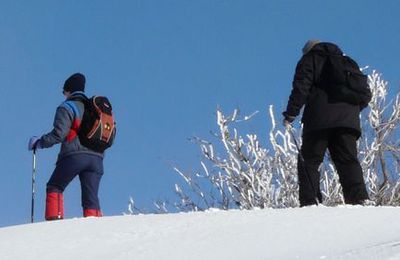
{"points": [[245, 175]]}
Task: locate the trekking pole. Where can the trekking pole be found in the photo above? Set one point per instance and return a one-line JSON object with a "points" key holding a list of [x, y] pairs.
{"points": [[290, 129], [33, 184]]}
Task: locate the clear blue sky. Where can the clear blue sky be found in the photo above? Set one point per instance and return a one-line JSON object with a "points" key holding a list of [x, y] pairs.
{"points": [[166, 66]]}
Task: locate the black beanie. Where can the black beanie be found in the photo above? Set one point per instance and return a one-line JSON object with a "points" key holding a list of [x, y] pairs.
{"points": [[75, 82]]}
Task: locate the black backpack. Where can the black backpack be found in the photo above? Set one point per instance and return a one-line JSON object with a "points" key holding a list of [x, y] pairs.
{"points": [[97, 130], [343, 80]]}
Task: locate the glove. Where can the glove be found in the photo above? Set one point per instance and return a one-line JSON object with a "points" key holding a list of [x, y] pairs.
{"points": [[288, 119], [34, 143]]}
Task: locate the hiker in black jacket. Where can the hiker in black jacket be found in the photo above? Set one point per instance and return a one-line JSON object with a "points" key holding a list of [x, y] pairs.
{"points": [[326, 125]]}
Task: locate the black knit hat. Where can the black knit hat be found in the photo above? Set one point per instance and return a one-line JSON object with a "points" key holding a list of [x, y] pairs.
{"points": [[75, 82]]}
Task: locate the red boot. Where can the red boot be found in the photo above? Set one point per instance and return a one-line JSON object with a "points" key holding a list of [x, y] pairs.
{"points": [[54, 206], [92, 213]]}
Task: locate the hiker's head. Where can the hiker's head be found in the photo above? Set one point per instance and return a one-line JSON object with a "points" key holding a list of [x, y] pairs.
{"points": [[309, 45], [75, 82]]}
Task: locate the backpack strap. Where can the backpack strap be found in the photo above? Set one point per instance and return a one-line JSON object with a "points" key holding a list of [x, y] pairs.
{"points": [[78, 97]]}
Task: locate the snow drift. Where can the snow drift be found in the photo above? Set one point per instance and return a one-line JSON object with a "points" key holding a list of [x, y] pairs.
{"points": [[344, 232]]}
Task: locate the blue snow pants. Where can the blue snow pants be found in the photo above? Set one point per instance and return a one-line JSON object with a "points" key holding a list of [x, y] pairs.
{"points": [[88, 167]]}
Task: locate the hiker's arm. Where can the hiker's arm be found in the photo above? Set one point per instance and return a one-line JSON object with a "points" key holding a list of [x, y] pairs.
{"points": [[302, 83], [366, 99], [61, 127]]}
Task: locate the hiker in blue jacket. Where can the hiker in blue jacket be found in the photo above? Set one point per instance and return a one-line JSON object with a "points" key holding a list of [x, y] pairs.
{"points": [[74, 159]]}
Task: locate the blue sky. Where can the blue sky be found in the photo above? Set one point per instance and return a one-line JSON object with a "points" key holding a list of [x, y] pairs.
{"points": [[166, 66]]}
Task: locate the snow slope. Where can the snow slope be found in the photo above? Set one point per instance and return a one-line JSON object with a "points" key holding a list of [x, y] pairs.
{"points": [[348, 232]]}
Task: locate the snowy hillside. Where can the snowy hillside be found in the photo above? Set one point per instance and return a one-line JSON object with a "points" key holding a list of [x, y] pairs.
{"points": [[306, 233]]}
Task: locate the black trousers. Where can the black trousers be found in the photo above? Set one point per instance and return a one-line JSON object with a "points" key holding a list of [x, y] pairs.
{"points": [[342, 146]]}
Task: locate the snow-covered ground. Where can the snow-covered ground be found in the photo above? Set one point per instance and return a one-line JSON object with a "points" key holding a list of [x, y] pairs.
{"points": [[347, 232]]}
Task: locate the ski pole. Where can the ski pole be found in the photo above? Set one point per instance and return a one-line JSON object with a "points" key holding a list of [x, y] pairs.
{"points": [[33, 184], [290, 129]]}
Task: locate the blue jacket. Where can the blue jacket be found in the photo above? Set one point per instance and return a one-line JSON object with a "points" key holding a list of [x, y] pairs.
{"points": [[65, 127]]}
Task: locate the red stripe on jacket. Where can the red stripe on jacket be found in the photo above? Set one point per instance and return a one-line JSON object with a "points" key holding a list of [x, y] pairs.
{"points": [[73, 132]]}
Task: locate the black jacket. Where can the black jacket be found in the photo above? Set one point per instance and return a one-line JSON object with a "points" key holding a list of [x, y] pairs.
{"points": [[319, 113]]}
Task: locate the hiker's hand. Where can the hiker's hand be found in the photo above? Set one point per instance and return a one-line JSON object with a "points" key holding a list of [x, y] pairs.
{"points": [[288, 120], [286, 123], [34, 143]]}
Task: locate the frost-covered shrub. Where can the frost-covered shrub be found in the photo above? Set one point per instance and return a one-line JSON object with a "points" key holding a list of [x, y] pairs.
{"points": [[245, 175]]}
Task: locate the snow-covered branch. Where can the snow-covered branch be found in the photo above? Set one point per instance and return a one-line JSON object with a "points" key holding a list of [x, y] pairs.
{"points": [[238, 172]]}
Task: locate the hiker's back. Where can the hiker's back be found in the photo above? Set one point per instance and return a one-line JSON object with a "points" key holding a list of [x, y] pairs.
{"points": [[320, 111], [72, 145]]}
